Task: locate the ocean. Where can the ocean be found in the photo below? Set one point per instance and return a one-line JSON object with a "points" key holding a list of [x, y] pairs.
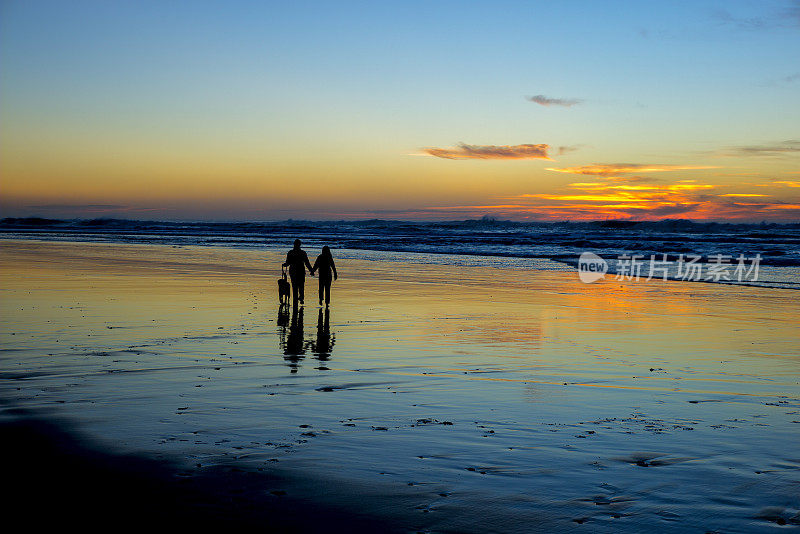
{"points": [[766, 254]]}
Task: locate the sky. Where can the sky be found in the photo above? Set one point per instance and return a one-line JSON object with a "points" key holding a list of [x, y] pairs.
{"points": [[574, 110]]}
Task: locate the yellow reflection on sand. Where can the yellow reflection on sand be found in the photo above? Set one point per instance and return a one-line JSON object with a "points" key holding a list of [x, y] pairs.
{"points": [[474, 323]]}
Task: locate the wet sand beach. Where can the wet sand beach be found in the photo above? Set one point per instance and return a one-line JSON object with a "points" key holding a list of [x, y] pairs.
{"points": [[456, 396]]}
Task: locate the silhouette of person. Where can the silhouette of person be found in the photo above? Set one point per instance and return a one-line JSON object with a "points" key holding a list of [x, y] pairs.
{"points": [[326, 266], [297, 261]]}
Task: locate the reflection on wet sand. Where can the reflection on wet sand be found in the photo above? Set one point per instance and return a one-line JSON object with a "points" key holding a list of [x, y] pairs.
{"points": [[292, 337], [323, 346], [293, 345], [614, 407], [283, 320]]}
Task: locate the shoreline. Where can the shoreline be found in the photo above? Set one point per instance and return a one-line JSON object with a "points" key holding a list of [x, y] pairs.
{"points": [[500, 261]]}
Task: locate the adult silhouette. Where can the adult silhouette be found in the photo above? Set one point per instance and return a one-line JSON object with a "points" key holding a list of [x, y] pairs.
{"points": [[326, 268], [297, 261]]}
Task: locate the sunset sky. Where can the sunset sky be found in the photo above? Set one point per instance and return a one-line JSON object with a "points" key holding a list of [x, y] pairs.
{"points": [[576, 110]]}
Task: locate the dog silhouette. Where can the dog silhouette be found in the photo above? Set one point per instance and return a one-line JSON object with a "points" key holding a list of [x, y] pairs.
{"points": [[284, 289]]}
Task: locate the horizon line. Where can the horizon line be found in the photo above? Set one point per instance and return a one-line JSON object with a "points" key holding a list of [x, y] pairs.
{"points": [[485, 218]]}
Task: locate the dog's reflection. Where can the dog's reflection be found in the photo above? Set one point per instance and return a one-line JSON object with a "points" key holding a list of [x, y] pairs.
{"points": [[283, 319], [323, 346]]}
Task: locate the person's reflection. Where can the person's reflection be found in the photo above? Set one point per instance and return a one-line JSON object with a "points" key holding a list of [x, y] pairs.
{"points": [[323, 346], [293, 346]]}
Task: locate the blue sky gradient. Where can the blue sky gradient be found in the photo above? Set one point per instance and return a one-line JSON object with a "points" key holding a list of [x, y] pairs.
{"points": [[257, 110]]}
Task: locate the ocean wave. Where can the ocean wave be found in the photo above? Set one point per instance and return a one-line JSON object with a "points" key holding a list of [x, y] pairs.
{"points": [[777, 245]]}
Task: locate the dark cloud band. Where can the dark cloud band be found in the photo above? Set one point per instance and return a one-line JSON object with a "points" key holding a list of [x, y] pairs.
{"points": [[548, 101], [464, 151]]}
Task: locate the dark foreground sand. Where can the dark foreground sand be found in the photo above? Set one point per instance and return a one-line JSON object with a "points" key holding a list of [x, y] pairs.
{"points": [[56, 478], [146, 384]]}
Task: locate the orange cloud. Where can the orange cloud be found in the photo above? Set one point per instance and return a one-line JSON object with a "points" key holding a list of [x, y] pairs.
{"points": [[598, 200], [687, 187], [594, 187], [624, 197], [701, 210], [464, 151], [616, 170]]}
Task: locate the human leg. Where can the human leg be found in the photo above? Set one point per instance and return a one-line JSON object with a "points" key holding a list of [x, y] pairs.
{"points": [[298, 283], [327, 292]]}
